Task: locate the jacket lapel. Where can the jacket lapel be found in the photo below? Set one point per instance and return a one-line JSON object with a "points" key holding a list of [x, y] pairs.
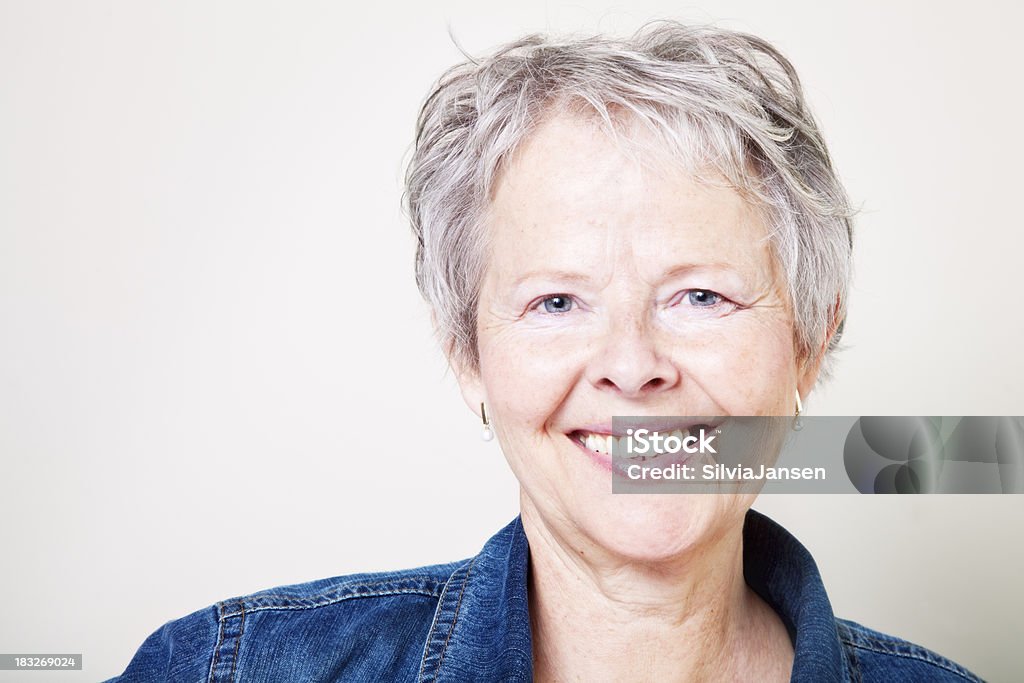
{"points": [[481, 628]]}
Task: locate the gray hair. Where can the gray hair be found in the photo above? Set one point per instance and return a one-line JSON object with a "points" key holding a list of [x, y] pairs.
{"points": [[723, 100]]}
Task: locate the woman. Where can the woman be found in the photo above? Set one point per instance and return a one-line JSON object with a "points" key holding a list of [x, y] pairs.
{"points": [[645, 227]]}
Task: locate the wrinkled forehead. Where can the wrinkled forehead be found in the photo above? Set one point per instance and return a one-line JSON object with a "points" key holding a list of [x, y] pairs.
{"points": [[662, 142], [578, 194]]}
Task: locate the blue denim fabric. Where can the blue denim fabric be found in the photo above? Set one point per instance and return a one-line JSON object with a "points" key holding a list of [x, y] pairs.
{"points": [[469, 621]]}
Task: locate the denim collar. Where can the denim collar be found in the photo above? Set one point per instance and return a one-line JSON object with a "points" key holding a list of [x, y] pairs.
{"points": [[481, 629]]}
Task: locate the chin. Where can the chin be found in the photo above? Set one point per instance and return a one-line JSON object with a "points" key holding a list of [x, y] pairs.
{"points": [[657, 528]]}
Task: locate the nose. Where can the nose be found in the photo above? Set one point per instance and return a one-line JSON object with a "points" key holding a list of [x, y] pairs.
{"points": [[632, 362]]}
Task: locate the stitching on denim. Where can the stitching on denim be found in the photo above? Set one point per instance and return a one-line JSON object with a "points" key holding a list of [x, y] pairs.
{"points": [[341, 598], [455, 617], [344, 592], [433, 624], [348, 586], [854, 664], [238, 642], [220, 639], [889, 645], [437, 615], [882, 649]]}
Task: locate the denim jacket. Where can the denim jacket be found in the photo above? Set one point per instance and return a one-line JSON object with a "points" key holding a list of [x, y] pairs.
{"points": [[469, 621]]}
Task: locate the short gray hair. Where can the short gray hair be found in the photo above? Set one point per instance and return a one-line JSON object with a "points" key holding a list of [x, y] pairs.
{"points": [[723, 100]]}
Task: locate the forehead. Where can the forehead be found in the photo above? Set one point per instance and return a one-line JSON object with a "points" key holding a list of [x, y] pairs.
{"points": [[570, 184]]}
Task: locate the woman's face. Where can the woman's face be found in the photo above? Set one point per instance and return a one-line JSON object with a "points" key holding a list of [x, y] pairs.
{"points": [[613, 289]]}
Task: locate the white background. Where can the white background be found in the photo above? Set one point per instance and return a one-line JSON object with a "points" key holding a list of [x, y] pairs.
{"points": [[217, 376]]}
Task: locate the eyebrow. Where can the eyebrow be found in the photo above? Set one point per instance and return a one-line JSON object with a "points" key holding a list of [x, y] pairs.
{"points": [[686, 268], [575, 277], [563, 275]]}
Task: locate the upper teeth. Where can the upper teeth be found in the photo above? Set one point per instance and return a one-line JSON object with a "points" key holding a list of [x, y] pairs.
{"points": [[604, 443]]}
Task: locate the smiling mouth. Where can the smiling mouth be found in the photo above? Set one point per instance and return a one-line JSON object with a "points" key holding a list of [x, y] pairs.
{"points": [[609, 444]]}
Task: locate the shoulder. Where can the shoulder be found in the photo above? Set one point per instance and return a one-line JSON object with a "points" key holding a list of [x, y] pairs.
{"points": [[881, 657], [295, 631], [423, 581]]}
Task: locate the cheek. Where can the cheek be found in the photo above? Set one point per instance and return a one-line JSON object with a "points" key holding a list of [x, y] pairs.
{"points": [[527, 377], [527, 382], [747, 371]]}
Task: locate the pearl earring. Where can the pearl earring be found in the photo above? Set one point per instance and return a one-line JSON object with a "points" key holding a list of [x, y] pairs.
{"points": [[797, 422], [487, 434]]}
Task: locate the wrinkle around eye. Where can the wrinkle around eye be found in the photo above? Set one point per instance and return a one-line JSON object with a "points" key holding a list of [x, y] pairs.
{"points": [[682, 304], [539, 308]]}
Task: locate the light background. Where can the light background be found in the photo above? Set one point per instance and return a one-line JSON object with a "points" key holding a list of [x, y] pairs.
{"points": [[209, 325]]}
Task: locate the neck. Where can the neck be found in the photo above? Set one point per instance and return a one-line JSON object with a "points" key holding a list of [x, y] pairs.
{"points": [[596, 616]]}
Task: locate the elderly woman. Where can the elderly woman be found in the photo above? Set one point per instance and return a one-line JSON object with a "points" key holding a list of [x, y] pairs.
{"points": [[605, 228]]}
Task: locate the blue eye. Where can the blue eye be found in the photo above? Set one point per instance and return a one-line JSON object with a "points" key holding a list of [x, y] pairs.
{"points": [[703, 298], [559, 303]]}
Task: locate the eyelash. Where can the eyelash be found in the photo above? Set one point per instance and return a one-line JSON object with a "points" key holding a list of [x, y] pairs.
{"points": [[720, 300], [536, 306]]}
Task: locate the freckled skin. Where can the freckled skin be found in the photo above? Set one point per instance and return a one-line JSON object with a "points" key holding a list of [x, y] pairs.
{"points": [[571, 203]]}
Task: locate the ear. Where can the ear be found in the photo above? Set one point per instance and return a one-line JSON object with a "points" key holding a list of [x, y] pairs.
{"points": [[809, 369], [470, 383], [467, 373]]}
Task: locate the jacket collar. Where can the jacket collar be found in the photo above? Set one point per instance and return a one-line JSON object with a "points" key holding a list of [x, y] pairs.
{"points": [[481, 628], [781, 570]]}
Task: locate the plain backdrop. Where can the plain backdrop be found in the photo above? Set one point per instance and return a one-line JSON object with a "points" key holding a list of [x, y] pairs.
{"points": [[217, 376]]}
